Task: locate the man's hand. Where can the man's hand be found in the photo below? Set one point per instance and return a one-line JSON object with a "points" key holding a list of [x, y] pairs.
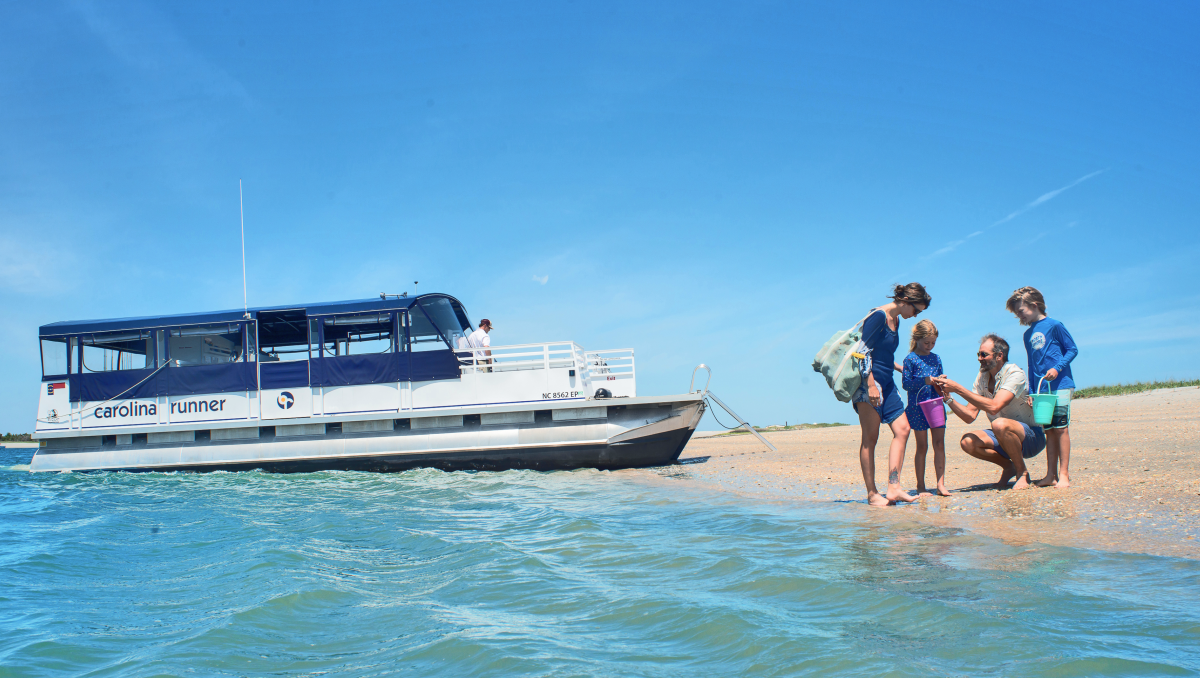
{"points": [[932, 381], [948, 385], [1051, 374]]}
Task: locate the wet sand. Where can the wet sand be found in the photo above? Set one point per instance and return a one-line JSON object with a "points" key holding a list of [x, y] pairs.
{"points": [[1135, 474]]}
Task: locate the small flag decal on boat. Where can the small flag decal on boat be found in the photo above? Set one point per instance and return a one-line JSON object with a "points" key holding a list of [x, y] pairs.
{"points": [[52, 387]]}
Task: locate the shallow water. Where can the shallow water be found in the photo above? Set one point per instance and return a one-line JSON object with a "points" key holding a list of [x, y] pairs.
{"points": [[568, 573]]}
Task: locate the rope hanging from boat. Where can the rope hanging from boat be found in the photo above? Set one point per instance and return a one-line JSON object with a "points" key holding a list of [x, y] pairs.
{"points": [[713, 410], [56, 421]]}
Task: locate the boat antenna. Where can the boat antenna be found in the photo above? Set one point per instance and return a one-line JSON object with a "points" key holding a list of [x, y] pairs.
{"points": [[415, 291], [242, 215]]}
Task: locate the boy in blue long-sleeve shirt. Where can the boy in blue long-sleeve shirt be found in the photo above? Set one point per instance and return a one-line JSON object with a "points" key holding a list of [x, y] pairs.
{"points": [[1050, 349]]}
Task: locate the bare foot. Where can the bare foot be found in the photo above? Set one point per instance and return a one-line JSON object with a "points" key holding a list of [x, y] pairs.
{"points": [[922, 492], [895, 493], [1063, 483], [876, 499], [1045, 482], [1006, 477], [1022, 483], [942, 491]]}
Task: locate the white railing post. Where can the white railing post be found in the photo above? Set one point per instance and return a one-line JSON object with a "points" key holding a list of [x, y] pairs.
{"points": [[632, 373]]}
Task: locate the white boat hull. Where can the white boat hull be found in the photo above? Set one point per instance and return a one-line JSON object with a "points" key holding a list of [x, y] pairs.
{"points": [[623, 433]]}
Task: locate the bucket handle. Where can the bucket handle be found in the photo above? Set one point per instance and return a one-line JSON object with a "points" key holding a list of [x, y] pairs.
{"points": [[926, 386], [1039, 387]]}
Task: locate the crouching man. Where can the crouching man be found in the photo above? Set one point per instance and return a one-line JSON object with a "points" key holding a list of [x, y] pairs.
{"points": [[1000, 390]]}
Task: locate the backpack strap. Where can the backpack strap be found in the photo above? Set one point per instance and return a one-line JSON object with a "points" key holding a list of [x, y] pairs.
{"points": [[868, 315], [864, 320]]}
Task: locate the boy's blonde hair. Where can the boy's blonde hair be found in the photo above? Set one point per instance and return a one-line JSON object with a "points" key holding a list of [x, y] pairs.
{"points": [[1026, 295], [921, 330]]}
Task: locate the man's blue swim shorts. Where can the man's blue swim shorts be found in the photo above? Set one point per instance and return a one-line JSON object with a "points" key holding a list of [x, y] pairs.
{"points": [[1031, 445]]}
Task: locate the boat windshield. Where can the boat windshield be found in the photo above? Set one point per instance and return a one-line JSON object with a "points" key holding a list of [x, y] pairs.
{"points": [[451, 326]]}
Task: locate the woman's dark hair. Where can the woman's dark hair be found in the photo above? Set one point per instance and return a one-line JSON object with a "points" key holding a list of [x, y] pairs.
{"points": [[912, 294]]}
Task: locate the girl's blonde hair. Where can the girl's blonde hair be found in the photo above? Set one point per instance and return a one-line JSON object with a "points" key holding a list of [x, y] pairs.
{"points": [[921, 330]]}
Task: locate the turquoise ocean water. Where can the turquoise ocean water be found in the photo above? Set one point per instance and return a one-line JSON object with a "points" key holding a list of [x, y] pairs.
{"points": [[521, 573]]}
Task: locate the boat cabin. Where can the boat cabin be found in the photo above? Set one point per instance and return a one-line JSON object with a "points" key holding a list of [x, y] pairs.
{"points": [[324, 362]]}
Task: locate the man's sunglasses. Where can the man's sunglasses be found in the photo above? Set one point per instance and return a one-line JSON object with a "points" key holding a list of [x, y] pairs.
{"points": [[981, 354]]}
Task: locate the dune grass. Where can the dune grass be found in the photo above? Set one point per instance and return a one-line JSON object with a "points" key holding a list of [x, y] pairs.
{"points": [[1138, 387]]}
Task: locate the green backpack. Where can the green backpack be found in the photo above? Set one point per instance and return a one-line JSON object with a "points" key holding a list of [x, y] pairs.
{"points": [[843, 360]]}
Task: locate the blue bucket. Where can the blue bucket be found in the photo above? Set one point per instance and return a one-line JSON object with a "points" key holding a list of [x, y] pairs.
{"points": [[1043, 405]]}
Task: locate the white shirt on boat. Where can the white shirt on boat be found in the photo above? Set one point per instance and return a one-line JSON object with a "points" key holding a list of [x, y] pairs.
{"points": [[479, 339]]}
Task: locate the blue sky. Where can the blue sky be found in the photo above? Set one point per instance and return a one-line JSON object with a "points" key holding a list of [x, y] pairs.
{"points": [[716, 183]]}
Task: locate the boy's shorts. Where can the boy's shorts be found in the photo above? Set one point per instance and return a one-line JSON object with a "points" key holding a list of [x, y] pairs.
{"points": [[1031, 445], [1062, 411]]}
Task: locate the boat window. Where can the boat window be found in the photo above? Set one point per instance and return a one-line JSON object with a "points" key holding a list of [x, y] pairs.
{"points": [[282, 336], [114, 351], [204, 344], [54, 357], [359, 334], [422, 333], [251, 342], [452, 326], [161, 340]]}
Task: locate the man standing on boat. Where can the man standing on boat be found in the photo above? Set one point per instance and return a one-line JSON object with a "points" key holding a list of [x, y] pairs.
{"points": [[480, 339]]}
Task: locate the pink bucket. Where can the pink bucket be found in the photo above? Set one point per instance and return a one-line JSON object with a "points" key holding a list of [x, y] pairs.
{"points": [[934, 411]]}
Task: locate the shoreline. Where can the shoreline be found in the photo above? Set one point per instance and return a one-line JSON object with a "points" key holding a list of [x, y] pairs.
{"points": [[1135, 477]]}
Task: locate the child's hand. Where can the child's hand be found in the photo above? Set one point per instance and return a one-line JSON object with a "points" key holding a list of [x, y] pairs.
{"points": [[1051, 374]]}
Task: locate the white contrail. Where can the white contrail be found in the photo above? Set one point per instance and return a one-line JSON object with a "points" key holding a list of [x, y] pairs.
{"points": [[1041, 199]]}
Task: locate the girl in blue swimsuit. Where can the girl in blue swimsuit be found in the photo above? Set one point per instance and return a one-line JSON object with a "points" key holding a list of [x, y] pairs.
{"points": [[877, 400], [920, 368]]}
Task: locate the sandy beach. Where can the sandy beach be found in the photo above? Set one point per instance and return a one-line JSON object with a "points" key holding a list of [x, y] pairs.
{"points": [[1134, 468]]}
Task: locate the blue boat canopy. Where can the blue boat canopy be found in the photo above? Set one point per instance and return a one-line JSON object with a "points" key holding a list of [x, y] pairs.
{"points": [[339, 343], [71, 327]]}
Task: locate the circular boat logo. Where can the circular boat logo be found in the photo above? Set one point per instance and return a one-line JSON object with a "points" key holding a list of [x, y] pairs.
{"points": [[285, 401]]}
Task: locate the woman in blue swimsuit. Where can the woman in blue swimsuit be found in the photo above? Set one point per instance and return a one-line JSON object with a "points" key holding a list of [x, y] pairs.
{"points": [[881, 334]]}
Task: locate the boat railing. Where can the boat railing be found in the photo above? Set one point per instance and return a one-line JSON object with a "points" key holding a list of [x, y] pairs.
{"points": [[519, 357], [603, 367], [612, 369]]}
